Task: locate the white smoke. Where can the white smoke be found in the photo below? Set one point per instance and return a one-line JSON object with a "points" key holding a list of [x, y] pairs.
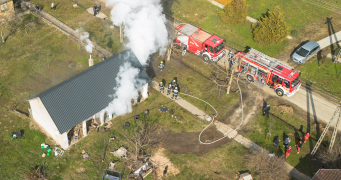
{"points": [[126, 89], [144, 26], [84, 37], [145, 29]]}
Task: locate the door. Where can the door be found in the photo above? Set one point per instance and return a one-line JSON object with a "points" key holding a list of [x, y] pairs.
{"points": [[312, 53]]}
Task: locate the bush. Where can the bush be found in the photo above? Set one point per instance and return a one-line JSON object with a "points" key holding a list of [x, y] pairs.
{"points": [[234, 12], [272, 28], [295, 33]]}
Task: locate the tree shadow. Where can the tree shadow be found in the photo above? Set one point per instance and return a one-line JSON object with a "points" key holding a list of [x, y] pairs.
{"points": [[331, 33], [308, 165]]}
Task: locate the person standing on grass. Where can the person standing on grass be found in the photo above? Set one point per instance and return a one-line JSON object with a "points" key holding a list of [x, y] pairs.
{"points": [[287, 152], [306, 137], [276, 142], [95, 9], [266, 110], [286, 142], [299, 146], [52, 5]]}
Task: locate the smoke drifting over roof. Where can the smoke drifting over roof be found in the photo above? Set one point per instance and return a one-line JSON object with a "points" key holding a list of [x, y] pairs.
{"points": [[145, 29]]}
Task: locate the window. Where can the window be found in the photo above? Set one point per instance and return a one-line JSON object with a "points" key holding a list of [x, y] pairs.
{"points": [[219, 47], [302, 52], [210, 48], [3, 7], [274, 77], [312, 51]]}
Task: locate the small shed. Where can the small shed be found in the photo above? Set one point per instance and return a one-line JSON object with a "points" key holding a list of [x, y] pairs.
{"points": [[82, 97], [327, 174]]}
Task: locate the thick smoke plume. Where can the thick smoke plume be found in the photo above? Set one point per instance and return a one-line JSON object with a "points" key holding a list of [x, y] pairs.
{"points": [[145, 29], [127, 83], [144, 26], [84, 37]]}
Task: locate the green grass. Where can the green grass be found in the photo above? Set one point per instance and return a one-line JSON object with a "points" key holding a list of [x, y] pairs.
{"points": [[297, 14], [238, 36], [324, 77], [225, 160], [260, 125], [99, 30]]}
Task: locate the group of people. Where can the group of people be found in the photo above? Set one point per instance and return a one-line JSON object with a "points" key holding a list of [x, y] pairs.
{"points": [[288, 148], [172, 87]]}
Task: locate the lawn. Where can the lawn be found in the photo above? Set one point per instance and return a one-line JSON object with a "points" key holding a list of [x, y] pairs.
{"points": [[260, 126], [327, 77], [99, 29], [204, 15]]}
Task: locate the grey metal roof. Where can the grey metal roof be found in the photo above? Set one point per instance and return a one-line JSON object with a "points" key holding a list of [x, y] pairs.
{"points": [[87, 93], [188, 29]]}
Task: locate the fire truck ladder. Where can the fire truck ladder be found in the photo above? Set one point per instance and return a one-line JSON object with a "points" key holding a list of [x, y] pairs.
{"points": [[338, 56], [338, 110], [265, 60]]}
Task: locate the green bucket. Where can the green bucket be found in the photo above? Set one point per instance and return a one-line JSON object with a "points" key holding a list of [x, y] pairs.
{"points": [[48, 153], [49, 150]]}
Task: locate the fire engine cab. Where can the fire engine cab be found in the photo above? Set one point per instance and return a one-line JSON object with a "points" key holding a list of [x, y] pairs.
{"points": [[262, 69], [193, 39]]}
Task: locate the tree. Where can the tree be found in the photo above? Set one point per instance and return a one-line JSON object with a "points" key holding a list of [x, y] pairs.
{"points": [[330, 159], [234, 12], [272, 28], [268, 167]]}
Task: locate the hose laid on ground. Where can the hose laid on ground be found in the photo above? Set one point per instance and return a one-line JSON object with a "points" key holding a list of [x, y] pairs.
{"points": [[241, 101]]}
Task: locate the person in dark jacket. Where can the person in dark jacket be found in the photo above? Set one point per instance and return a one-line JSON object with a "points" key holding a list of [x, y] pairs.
{"points": [[266, 110], [95, 10], [299, 146]]}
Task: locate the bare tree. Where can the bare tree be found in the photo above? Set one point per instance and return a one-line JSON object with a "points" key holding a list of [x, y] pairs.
{"points": [[268, 167], [330, 159], [9, 23], [137, 138]]}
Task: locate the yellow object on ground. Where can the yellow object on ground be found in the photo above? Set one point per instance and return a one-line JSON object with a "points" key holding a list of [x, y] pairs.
{"points": [[224, 1]]}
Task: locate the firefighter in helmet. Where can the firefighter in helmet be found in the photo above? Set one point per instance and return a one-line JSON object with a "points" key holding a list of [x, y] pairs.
{"points": [[173, 83], [184, 49], [169, 88], [161, 65], [162, 87], [175, 93]]}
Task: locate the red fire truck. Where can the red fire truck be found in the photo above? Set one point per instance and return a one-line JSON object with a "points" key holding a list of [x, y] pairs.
{"points": [[211, 47], [262, 69]]}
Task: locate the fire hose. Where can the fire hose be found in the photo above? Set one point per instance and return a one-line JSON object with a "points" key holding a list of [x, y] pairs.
{"points": [[241, 102]]}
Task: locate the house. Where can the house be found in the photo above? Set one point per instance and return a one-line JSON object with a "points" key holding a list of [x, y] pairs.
{"points": [[81, 97], [327, 174], [6, 9]]}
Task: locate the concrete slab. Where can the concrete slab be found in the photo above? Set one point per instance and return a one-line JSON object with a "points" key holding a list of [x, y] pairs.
{"points": [[99, 15]]}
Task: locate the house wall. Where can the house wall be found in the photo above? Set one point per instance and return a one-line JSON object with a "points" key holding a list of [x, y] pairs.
{"points": [[43, 118], [10, 11]]}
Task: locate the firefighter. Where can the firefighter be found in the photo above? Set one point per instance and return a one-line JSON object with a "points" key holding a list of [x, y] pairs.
{"points": [[95, 10], [173, 83], [162, 87], [175, 93], [184, 49], [169, 89], [161, 65]]}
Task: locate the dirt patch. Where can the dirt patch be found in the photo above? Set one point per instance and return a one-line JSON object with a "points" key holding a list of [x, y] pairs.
{"points": [[80, 170], [164, 166], [188, 142], [286, 109]]}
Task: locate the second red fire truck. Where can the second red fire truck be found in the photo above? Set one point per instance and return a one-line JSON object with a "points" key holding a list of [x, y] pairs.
{"points": [[211, 47], [262, 69]]}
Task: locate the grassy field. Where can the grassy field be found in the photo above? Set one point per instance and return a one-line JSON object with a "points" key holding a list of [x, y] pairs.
{"points": [[204, 15], [326, 77], [260, 126], [99, 29]]}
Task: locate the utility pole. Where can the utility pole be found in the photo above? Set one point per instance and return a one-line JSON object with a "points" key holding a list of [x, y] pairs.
{"points": [[121, 33], [171, 45], [338, 110]]}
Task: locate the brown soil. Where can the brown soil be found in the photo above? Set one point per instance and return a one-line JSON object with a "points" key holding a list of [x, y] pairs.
{"points": [[286, 109], [161, 161], [188, 142]]}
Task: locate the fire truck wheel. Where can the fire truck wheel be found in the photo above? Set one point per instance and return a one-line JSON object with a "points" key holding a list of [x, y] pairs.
{"points": [[206, 58], [250, 78], [279, 92]]}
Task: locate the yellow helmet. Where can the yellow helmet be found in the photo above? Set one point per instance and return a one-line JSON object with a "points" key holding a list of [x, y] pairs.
{"points": [[160, 82], [173, 80], [161, 62]]}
